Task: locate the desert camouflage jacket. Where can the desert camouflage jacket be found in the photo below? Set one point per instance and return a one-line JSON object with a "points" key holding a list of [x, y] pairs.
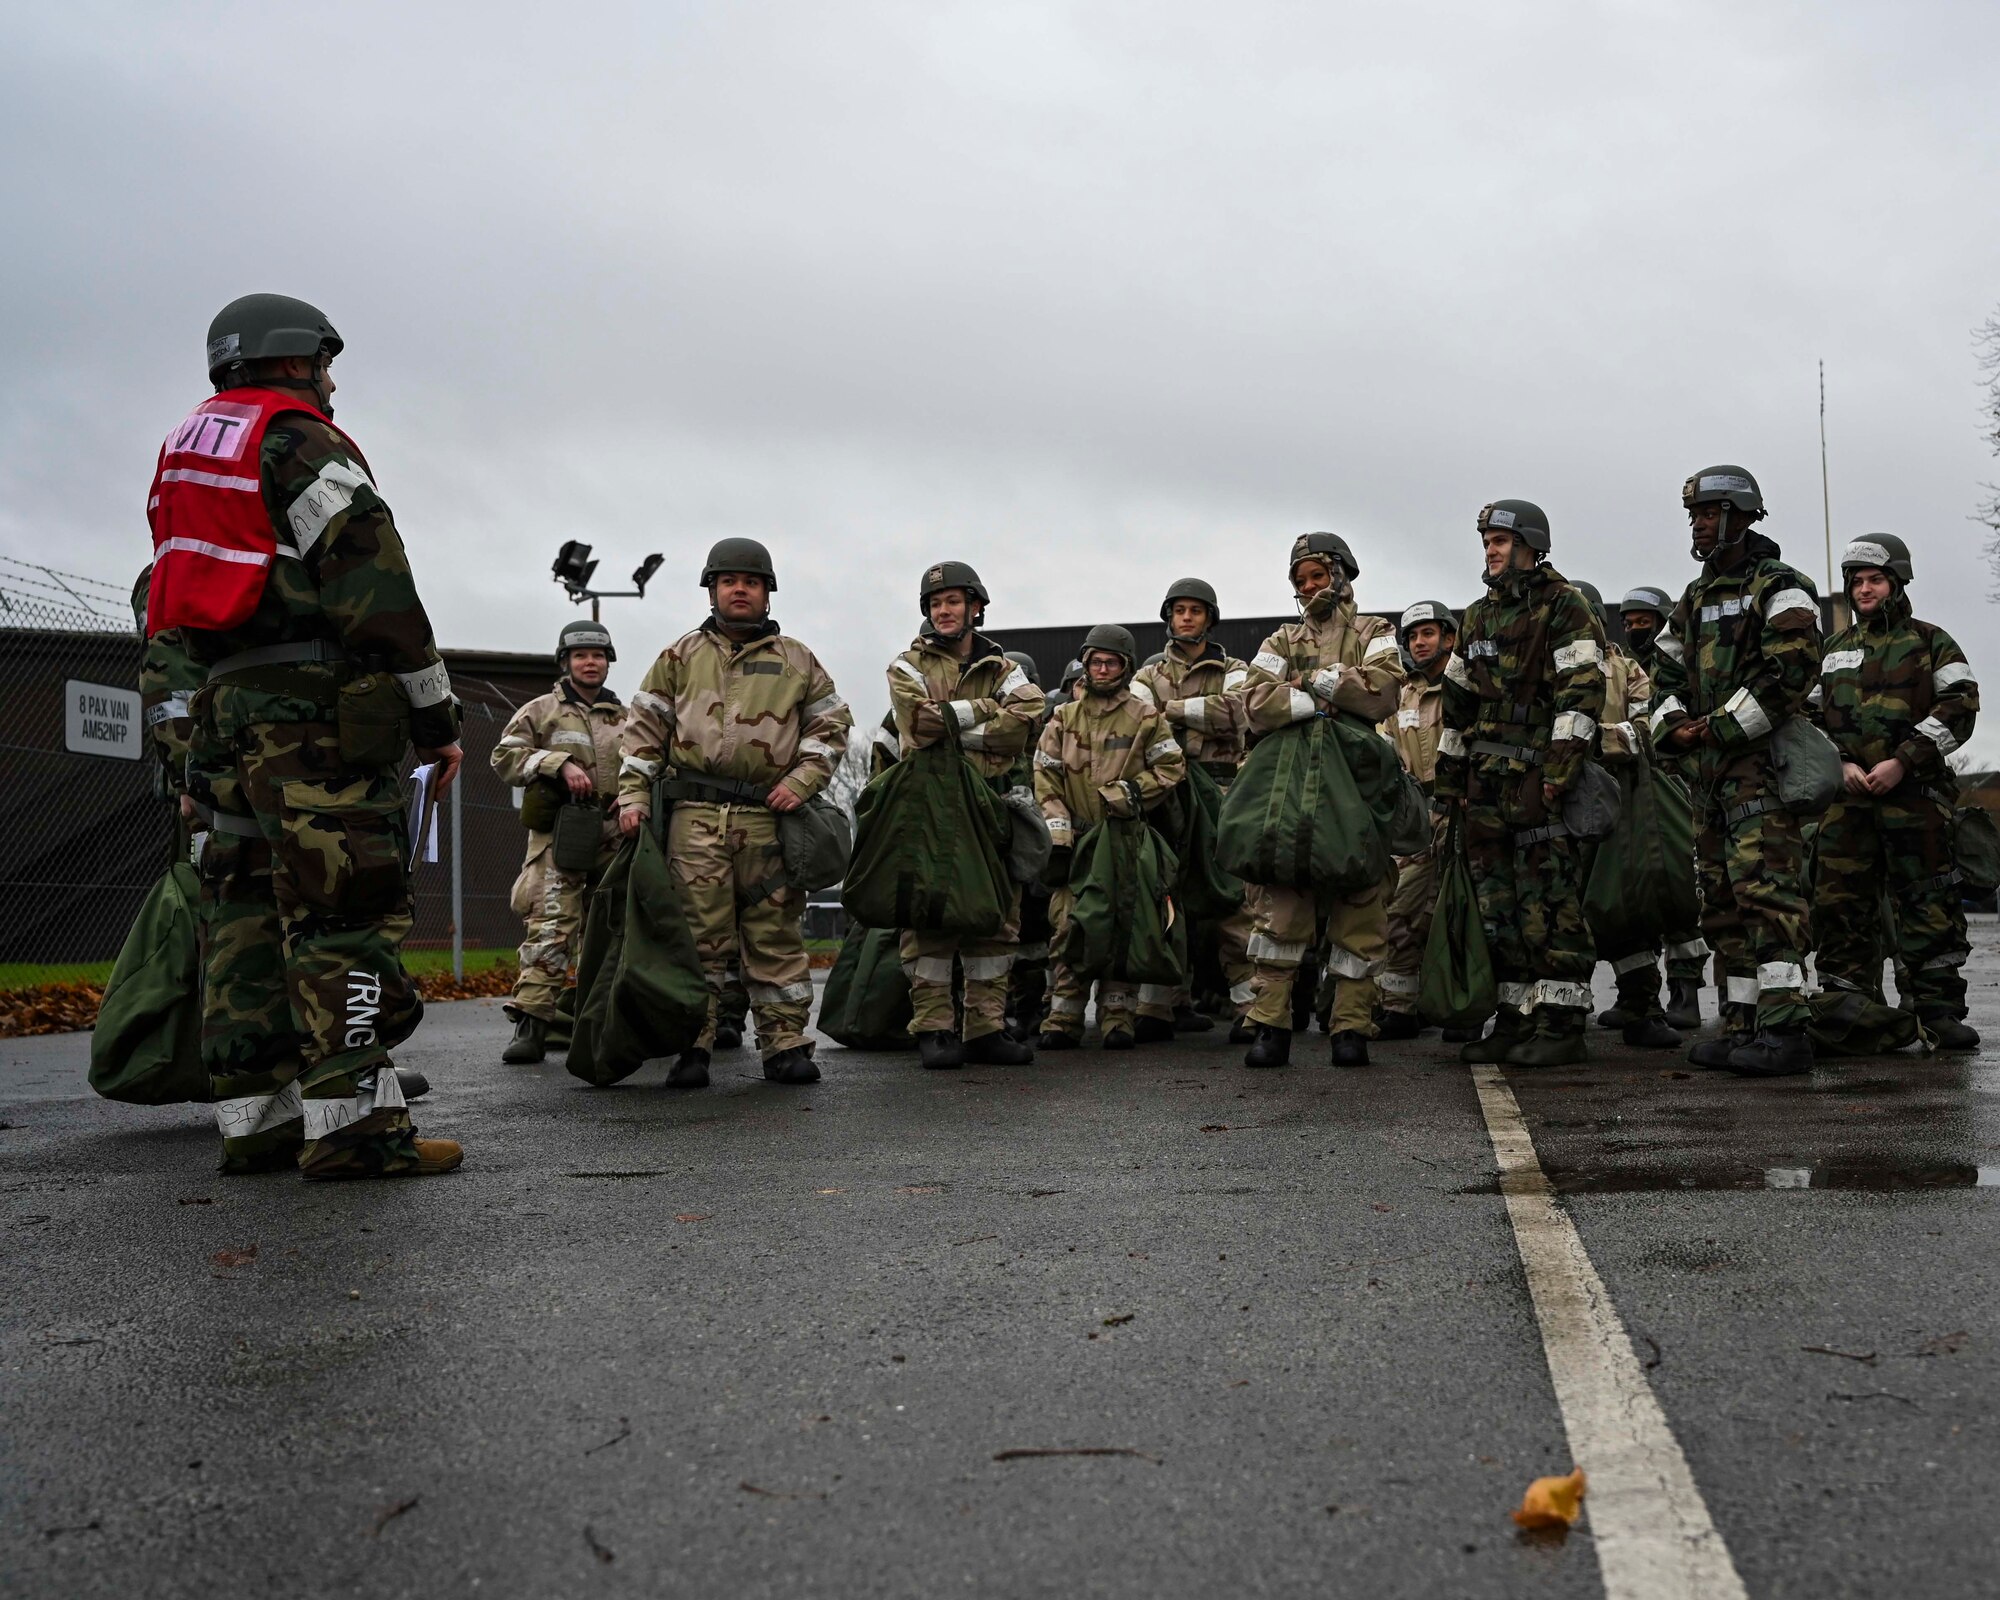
{"points": [[1202, 701], [758, 712], [1628, 701], [1341, 662], [562, 726], [1892, 685], [1103, 755], [987, 696], [1742, 649], [1498, 725], [341, 575], [1415, 728]]}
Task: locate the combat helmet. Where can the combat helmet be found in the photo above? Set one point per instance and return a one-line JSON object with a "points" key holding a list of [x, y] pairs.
{"points": [[1736, 492], [583, 634], [1883, 550], [950, 575], [1592, 593], [1026, 663], [1191, 589], [1648, 598], [1324, 545], [1119, 641], [739, 555], [258, 327], [1524, 519], [1425, 611]]}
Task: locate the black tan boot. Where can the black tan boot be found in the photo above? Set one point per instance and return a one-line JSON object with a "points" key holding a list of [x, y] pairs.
{"points": [[1557, 1040], [939, 1050], [998, 1049], [1950, 1034], [1510, 1027], [690, 1071], [795, 1065], [1273, 1047], [1348, 1048], [529, 1044], [1774, 1053]]}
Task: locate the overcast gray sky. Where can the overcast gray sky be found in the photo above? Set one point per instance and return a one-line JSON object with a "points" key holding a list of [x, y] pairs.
{"points": [[1093, 295]]}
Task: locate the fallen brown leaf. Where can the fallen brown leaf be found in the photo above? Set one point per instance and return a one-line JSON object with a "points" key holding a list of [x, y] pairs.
{"points": [[1552, 1503], [693, 1216], [235, 1258]]}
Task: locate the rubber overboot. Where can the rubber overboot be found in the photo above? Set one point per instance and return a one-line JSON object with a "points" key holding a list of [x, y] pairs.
{"points": [[794, 1066], [1773, 1053], [939, 1050], [1715, 1053], [690, 1071], [1399, 1025], [1683, 1004], [1242, 1031], [998, 1050], [1056, 1039], [1951, 1033], [529, 1044], [1557, 1040], [1459, 1035], [413, 1083], [1189, 1020], [728, 1036], [1153, 1030], [1117, 1039], [1618, 1017], [1272, 1049], [1510, 1027], [1651, 1033], [1348, 1048], [434, 1156]]}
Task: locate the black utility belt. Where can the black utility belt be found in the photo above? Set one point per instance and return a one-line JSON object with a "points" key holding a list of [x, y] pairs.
{"points": [[714, 791], [1511, 752]]}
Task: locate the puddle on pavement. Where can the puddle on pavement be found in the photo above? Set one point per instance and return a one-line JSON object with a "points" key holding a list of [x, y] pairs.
{"points": [[1877, 1175]]}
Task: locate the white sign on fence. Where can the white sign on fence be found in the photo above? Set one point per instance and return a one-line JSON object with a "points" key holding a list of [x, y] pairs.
{"points": [[101, 720]]}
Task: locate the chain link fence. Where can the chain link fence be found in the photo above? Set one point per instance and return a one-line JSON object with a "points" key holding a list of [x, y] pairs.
{"points": [[86, 827]]}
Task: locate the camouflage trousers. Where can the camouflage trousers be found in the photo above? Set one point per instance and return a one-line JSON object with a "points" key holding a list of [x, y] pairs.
{"points": [[1286, 923], [1530, 888], [1232, 937], [305, 903], [1069, 994], [986, 965], [1901, 841], [1411, 903], [730, 868], [1751, 856], [555, 904]]}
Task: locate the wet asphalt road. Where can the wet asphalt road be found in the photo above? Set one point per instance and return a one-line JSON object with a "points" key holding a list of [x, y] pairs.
{"points": [[762, 1341]]}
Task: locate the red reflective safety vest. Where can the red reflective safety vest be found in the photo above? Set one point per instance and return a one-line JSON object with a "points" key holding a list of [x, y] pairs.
{"points": [[213, 542]]}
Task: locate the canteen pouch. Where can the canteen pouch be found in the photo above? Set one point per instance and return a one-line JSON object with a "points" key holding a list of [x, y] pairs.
{"points": [[541, 800], [1590, 806], [578, 828], [1807, 766], [816, 841], [373, 715]]}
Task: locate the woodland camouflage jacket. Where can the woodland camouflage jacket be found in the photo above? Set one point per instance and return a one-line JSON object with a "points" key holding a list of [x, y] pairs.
{"points": [[350, 582], [987, 696], [1489, 699], [1201, 699], [757, 712], [1742, 649], [1103, 755], [1892, 685]]}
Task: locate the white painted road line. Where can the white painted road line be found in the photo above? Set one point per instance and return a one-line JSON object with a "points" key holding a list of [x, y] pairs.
{"points": [[1654, 1537]]}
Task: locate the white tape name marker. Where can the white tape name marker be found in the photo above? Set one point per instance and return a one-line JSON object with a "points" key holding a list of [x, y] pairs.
{"points": [[1654, 1537]]}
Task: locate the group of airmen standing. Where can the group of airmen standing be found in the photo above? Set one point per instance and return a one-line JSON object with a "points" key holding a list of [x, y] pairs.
{"points": [[298, 668]]}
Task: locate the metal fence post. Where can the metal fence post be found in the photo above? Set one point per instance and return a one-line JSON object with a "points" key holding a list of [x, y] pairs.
{"points": [[457, 881]]}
